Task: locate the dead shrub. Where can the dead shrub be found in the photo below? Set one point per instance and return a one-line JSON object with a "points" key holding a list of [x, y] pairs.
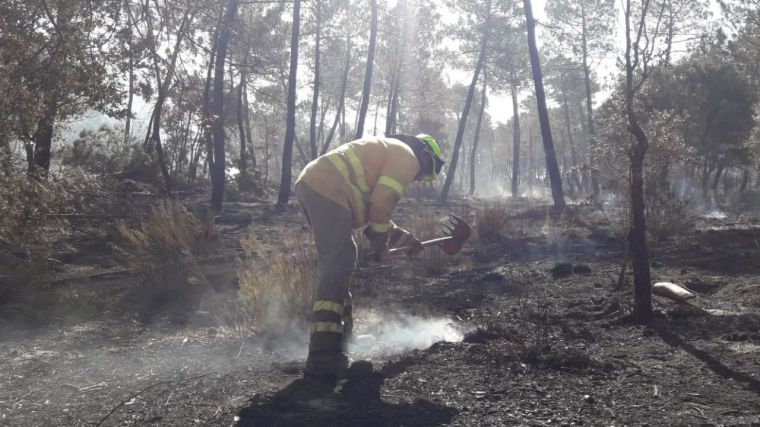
{"points": [[277, 283], [492, 221], [37, 213], [165, 250], [667, 215], [535, 309]]}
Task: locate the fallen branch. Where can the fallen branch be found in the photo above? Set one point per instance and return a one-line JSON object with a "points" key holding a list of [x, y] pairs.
{"points": [[133, 396]]}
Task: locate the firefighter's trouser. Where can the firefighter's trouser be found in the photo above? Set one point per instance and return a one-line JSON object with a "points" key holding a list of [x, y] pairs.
{"points": [[331, 225]]}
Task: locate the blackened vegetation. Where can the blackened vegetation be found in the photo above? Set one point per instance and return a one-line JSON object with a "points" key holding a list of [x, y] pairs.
{"points": [[540, 346]]}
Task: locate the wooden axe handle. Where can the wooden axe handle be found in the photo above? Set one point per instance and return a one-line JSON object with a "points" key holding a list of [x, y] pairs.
{"points": [[425, 244]]}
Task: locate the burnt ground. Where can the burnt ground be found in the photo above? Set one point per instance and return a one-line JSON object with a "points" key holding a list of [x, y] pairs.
{"points": [[546, 342]]}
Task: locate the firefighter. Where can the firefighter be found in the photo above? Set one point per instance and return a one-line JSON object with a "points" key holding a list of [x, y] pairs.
{"points": [[356, 185]]}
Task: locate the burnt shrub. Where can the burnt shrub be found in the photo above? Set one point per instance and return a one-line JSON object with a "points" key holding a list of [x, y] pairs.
{"points": [[165, 250]]}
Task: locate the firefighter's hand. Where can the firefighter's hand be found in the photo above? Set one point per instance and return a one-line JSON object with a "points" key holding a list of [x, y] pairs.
{"points": [[380, 249], [403, 238], [381, 253], [379, 243]]}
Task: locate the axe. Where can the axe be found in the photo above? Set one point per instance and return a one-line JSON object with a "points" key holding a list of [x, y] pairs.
{"points": [[457, 233]]}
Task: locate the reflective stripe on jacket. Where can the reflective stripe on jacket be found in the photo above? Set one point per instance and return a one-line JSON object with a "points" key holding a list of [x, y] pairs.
{"points": [[366, 176]]}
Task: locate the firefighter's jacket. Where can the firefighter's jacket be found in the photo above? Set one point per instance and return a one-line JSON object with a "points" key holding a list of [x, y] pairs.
{"points": [[366, 176]]}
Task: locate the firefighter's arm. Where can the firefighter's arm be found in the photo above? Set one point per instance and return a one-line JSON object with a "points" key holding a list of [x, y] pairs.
{"points": [[383, 200], [382, 203]]}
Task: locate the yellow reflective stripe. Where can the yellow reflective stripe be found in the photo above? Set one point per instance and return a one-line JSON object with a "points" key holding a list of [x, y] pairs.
{"points": [[392, 183], [327, 327], [356, 164], [338, 163], [323, 305], [358, 197], [380, 228]]}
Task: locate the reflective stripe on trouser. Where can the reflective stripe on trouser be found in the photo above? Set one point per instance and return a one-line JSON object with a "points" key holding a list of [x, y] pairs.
{"points": [[332, 227]]}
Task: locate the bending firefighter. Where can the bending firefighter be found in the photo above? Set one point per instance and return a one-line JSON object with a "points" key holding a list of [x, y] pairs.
{"points": [[355, 185]]}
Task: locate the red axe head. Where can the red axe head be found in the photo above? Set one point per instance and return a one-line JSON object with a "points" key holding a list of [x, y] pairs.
{"points": [[460, 232]]}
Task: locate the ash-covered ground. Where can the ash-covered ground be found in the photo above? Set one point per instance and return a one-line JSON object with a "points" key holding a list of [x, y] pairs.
{"points": [[529, 329]]}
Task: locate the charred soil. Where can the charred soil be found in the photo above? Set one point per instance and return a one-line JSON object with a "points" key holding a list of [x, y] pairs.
{"points": [[543, 310]]}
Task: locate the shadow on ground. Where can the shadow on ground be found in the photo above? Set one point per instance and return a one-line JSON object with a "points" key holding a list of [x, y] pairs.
{"points": [[717, 366], [357, 403]]}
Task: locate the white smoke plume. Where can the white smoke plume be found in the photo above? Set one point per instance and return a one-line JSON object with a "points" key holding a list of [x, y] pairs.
{"points": [[383, 334]]}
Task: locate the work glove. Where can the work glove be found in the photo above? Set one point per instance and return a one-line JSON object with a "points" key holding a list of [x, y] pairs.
{"points": [[379, 243], [400, 238]]}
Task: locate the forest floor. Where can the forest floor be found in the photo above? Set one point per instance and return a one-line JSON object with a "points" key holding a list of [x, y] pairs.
{"points": [[534, 328]]}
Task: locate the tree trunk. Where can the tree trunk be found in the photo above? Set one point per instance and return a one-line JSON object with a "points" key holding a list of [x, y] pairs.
{"points": [[5, 149], [377, 111], [570, 140], [368, 74], [185, 142], [543, 114], [642, 309], [669, 37], [473, 152], [192, 167], [390, 122], [745, 180], [342, 101], [531, 175], [466, 110], [218, 172], [392, 111], [206, 102], [343, 127], [515, 140], [706, 172], [43, 136], [248, 133], [571, 143], [290, 126], [266, 149], [131, 78], [461, 176], [303, 157], [130, 97], [315, 96], [716, 178], [587, 86], [243, 161], [155, 140], [163, 93]]}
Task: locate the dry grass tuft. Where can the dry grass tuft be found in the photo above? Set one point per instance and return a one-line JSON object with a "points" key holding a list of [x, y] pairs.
{"points": [[492, 221], [277, 283], [166, 250]]}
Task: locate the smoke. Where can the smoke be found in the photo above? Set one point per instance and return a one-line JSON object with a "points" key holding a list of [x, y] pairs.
{"points": [[715, 214], [381, 334], [703, 201]]}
